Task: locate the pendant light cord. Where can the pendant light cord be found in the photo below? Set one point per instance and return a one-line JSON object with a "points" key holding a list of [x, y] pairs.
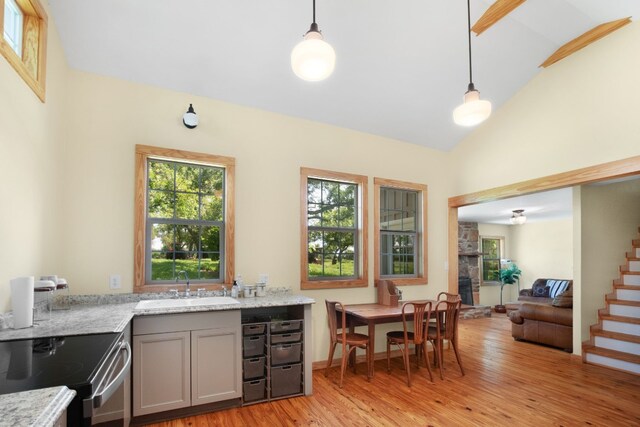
{"points": [[314, 11], [469, 34]]}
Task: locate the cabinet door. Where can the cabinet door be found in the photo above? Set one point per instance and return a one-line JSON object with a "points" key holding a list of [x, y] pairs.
{"points": [[216, 360], [161, 372]]}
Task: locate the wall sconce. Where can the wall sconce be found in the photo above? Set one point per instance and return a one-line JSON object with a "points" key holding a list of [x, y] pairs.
{"points": [[190, 119]]}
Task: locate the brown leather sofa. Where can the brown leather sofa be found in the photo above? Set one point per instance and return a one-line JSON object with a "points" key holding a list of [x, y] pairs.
{"points": [[548, 321]]}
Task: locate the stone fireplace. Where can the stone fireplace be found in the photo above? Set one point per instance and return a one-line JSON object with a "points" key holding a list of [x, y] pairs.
{"points": [[469, 255]]}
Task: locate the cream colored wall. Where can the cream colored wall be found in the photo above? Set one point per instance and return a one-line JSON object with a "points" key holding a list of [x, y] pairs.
{"points": [[579, 112], [543, 250], [30, 159], [490, 294], [610, 221], [98, 182]]}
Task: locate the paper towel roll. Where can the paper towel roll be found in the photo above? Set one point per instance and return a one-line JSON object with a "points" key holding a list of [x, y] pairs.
{"points": [[22, 302]]}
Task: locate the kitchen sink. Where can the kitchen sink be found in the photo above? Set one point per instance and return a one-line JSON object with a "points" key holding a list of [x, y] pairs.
{"points": [[185, 302]]}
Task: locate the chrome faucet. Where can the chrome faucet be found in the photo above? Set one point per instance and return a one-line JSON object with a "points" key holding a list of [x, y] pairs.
{"points": [[187, 291]]}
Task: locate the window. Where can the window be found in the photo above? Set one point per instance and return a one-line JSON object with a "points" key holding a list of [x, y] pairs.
{"points": [[24, 41], [491, 248], [333, 229], [13, 26], [401, 240], [184, 218]]}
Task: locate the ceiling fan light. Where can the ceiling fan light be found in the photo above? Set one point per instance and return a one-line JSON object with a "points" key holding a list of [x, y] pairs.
{"points": [[472, 111], [313, 59]]}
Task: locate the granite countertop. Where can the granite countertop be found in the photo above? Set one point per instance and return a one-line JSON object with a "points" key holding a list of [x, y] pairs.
{"points": [[40, 408], [113, 313]]}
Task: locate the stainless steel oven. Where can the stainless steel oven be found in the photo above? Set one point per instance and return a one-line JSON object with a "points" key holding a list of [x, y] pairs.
{"points": [[95, 366]]}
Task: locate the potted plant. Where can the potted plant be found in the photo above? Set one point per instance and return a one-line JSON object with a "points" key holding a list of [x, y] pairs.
{"points": [[508, 276]]}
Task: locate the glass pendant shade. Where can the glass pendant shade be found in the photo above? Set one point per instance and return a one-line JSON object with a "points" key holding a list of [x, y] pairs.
{"points": [[518, 217], [313, 59], [473, 110]]}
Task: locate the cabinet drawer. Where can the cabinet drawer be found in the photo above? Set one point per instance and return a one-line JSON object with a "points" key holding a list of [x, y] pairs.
{"points": [[282, 354], [257, 329], [286, 338], [253, 368], [254, 390], [285, 326], [286, 380], [253, 346]]}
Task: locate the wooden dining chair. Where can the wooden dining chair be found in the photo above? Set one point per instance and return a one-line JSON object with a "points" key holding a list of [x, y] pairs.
{"points": [[446, 328], [446, 296], [349, 341], [421, 314]]}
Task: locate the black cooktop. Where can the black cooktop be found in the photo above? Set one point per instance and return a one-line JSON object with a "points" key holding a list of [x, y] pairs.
{"points": [[47, 362]]}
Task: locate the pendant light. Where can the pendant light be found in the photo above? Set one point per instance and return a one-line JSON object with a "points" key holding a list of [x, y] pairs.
{"points": [[518, 217], [313, 59], [473, 110]]}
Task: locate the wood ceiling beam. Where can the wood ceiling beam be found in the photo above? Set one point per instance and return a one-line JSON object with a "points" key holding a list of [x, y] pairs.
{"points": [[594, 34], [494, 13]]}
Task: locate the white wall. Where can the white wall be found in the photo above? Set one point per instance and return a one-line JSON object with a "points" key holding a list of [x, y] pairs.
{"points": [[610, 221], [30, 161], [543, 250]]}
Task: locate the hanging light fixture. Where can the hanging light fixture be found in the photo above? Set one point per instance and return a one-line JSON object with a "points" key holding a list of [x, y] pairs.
{"points": [[518, 217], [313, 59], [473, 110]]}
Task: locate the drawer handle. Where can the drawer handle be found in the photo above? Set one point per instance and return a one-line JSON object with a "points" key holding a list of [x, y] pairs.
{"points": [[254, 360], [286, 335], [254, 338], [255, 382], [285, 324], [287, 368]]}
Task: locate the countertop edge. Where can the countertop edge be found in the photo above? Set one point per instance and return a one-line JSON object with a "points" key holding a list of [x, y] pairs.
{"points": [[56, 407]]}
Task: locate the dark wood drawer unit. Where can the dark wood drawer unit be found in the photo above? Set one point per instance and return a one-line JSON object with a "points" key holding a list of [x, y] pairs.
{"points": [[278, 371], [255, 363]]}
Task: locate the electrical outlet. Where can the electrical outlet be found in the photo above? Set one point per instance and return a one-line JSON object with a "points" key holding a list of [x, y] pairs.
{"points": [[263, 278], [115, 281]]}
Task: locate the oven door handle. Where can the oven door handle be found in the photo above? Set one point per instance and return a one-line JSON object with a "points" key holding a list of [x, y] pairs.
{"points": [[99, 398]]}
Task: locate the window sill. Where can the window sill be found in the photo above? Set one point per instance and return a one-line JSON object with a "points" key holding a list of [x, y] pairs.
{"points": [[158, 288], [333, 284], [406, 281]]}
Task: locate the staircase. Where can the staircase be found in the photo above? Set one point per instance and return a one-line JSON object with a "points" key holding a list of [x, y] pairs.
{"points": [[615, 340]]}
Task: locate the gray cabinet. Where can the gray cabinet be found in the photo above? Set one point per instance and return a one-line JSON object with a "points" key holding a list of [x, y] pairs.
{"points": [[215, 361], [186, 359]]}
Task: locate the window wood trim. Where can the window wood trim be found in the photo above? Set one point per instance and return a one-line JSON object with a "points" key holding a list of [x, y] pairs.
{"points": [[32, 67], [423, 274], [363, 227], [143, 152]]}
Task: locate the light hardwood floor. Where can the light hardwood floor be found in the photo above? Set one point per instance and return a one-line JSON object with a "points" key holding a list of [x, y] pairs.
{"points": [[508, 383]]}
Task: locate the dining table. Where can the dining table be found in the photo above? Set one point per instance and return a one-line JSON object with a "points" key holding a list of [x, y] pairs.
{"points": [[373, 314]]}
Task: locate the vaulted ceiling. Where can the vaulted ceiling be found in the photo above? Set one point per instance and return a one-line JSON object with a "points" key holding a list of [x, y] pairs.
{"points": [[401, 65]]}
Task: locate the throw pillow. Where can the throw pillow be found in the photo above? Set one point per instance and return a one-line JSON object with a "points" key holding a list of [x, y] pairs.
{"points": [[556, 287], [540, 290], [564, 300]]}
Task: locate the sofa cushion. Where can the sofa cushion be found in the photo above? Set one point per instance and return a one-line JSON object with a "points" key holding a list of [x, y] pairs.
{"points": [[546, 313], [556, 287], [539, 300], [564, 300]]}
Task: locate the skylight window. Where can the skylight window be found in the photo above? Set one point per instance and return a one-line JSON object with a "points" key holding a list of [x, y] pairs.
{"points": [[13, 22]]}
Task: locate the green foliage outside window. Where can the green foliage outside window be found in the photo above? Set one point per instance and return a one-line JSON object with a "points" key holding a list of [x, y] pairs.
{"points": [[332, 228], [185, 210]]}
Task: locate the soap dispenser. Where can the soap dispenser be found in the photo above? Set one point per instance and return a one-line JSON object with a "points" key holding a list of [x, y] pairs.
{"points": [[235, 290]]}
